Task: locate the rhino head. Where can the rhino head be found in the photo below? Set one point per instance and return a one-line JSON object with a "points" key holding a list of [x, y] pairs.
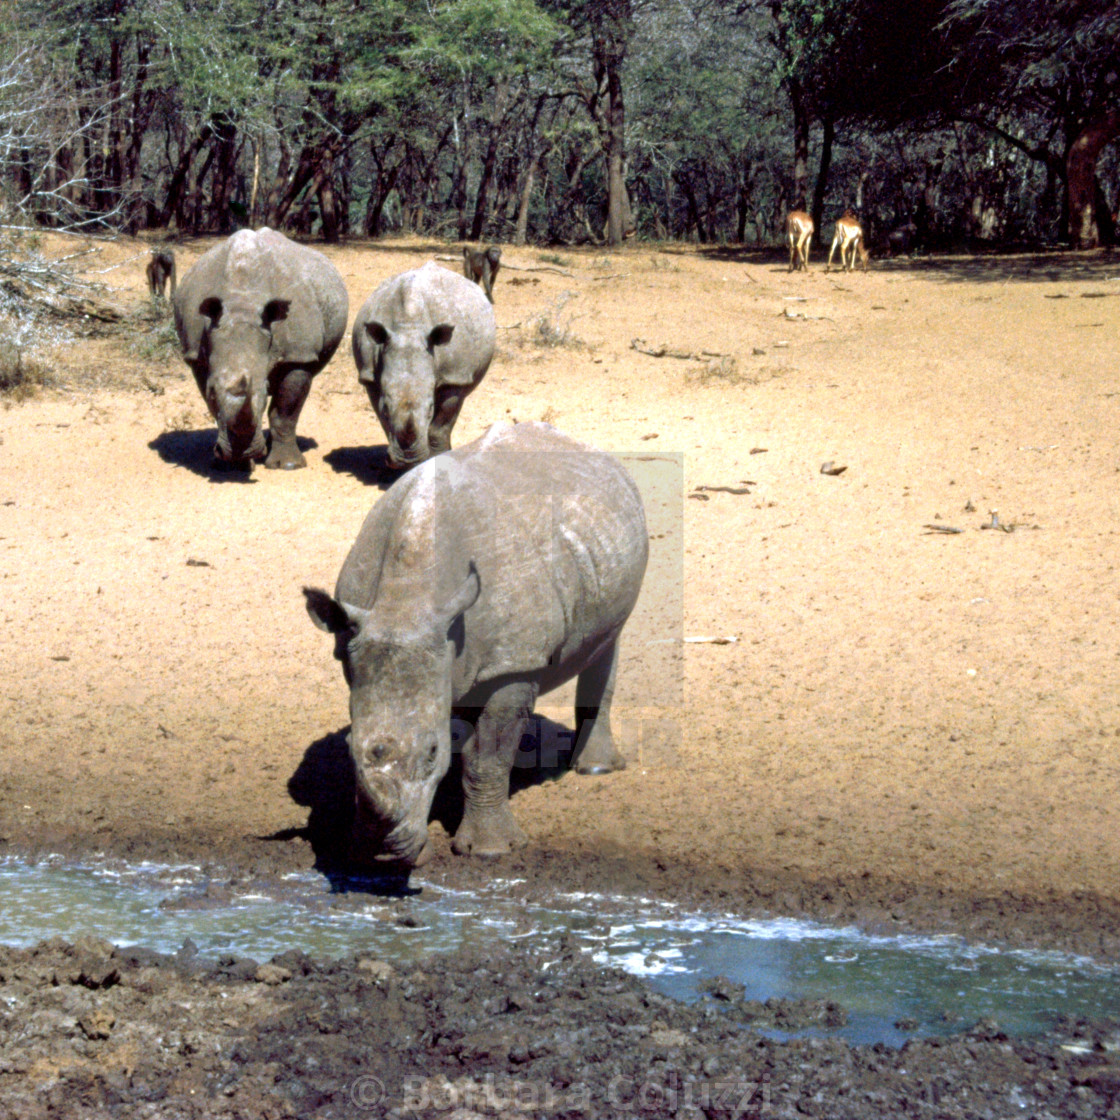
{"points": [[237, 354], [400, 716], [402, 388]]}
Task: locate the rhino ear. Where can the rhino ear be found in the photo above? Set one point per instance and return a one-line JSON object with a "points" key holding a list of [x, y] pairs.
{"points": [[440, 336], [274, 311], [377, 332], [463, 599], [211, 308], [330, 615]]}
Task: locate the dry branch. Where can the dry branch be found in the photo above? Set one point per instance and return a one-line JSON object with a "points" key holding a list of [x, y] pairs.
{"points": [[644, 347]]}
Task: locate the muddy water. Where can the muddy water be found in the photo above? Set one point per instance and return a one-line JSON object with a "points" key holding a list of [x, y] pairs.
{"points": [[890, 987]]}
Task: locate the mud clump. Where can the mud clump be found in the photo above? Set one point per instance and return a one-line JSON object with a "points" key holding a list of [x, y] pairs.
{"points": [[530, 1033]]}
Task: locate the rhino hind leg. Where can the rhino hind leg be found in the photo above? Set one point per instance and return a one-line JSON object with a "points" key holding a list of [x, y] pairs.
{"points": [[488, 827], [288, 396], [595, 751]]}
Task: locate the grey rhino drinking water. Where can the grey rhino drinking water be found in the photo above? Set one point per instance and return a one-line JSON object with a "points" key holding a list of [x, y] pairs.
{"points": [[258, 316], [481, 579], [422, 342]]}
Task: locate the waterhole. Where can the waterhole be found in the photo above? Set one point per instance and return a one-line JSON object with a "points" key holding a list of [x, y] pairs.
{"points": [[890, 988]]}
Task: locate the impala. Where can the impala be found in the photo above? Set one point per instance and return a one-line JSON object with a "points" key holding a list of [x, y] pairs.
{"points": [[849, 239], [799, 228]]}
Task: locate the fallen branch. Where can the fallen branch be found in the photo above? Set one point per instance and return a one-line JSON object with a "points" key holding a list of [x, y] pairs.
{"points": [[744, 489], [644, 347], [788, 314]]}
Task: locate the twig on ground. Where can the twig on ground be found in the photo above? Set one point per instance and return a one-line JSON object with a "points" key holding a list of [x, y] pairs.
{"points": [[744, 489], [644, 347]]}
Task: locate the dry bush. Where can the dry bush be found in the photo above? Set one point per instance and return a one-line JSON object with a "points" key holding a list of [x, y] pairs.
{"points": [[22, 372], [553, 328], [149, 333]]}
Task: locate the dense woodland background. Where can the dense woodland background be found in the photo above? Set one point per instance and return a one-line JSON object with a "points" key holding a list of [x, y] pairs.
{"points": [[561, 121]]}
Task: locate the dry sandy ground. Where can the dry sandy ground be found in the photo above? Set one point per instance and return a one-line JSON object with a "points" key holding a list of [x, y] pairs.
{"points": [[909, 725]]}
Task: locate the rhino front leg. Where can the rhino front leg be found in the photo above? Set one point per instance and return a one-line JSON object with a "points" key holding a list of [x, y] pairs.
{"points": [[488, 827], [595, 749], [448, 404], [289, 394]]}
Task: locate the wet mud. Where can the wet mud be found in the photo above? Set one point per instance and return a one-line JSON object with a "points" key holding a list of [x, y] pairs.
{"points": [[88, 1031]]}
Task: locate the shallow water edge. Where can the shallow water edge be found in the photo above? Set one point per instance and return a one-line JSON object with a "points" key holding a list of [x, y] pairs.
{"points": [[784, 975]]}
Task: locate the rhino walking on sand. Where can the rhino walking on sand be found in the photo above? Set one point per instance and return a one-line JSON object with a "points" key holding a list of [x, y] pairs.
{"points": [[258, 316], [422, 343], [480, 580]]}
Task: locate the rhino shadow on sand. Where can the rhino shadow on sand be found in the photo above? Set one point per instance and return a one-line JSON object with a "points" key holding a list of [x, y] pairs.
{"points": [[195, 451], [325, 784], [368, 466]]}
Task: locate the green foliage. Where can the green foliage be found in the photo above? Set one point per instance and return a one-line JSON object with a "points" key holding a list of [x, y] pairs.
{"points": [[416, 114], [483, 40]]}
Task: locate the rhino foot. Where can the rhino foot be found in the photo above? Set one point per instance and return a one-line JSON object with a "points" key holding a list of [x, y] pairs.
{"points": [[599, 755], [283, 459], [490, 833]]}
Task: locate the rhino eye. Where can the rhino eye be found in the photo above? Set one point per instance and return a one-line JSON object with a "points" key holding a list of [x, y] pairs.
{"points": [[432, 758]]}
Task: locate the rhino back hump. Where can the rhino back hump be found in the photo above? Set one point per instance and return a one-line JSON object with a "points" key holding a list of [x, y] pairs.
{"points": [[555, 529], [423, 298], [249, 269]]}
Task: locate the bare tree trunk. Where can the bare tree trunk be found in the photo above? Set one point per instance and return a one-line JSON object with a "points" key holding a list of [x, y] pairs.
{"points": [[279, 181], [821, 185], [225, 159], [742, 200], [617, 202], [328, 203], [1081, 168], [179, 177], [521, 231], [497, 119], [253, 191], [611, 27], [380, 189], [801, 124]]}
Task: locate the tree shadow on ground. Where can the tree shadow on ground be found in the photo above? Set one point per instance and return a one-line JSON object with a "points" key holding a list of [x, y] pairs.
{"points": [[369, 465], [324, 784], [980, 267], [195, 451]]}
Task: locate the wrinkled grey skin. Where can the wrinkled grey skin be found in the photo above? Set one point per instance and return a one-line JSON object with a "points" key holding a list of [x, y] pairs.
{"points": [[258, 316], [480, 580], [422, 342]]}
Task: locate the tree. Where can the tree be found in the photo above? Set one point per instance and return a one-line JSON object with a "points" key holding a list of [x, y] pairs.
{"points": [[1043, 78], [817, 43]]}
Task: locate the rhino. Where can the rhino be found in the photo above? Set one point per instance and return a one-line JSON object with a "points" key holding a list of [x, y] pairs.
{"points": [[481, 579], [257, 317], [422, 343]]}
